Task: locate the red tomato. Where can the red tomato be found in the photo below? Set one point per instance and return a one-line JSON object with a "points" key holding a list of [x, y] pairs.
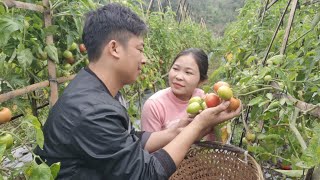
{"points": [[234, 104], [285, 167], [5, 115], [82, 48], [212, 100], [217, 85]]}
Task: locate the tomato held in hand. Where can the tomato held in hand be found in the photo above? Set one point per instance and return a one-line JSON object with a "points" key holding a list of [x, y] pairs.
{"points": [[5, 115], [225, 92], [195, 99], [212, 100], [217, 85], [234, 104], [194, 108]]}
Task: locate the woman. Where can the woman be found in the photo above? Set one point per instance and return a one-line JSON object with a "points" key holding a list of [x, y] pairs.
{"points": [[167, 107]]}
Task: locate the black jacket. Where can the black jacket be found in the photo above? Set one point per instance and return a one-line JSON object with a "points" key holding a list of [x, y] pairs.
{"points": [[87, 131]]}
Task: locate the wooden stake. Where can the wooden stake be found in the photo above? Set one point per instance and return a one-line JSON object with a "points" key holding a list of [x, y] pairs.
{"points": [[287, 33]]}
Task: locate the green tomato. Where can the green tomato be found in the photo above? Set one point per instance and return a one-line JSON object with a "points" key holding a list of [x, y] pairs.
{"points": [[6, 139], [73, 46], [267, 78], [225, 92], [250, 136], [67, 54], [195, 99], [194, 108]]}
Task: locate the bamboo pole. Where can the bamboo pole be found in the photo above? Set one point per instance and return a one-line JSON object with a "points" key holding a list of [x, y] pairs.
{"points": [[23, 5], [275, 33], [12, 94], [51, 65], [287, 33], [149, 7]]}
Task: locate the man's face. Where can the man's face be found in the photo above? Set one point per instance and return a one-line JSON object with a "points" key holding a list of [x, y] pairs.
{"points": [[132, 59]]}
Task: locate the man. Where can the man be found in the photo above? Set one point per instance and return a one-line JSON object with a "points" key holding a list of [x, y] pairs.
{"points": [[88, 130]]}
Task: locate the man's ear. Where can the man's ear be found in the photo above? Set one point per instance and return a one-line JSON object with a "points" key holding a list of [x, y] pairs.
{"points": [[113, 48]]}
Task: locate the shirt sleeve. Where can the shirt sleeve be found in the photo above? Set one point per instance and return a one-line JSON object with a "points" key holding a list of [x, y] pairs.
{"points": [[103, 142], [150, 117]]}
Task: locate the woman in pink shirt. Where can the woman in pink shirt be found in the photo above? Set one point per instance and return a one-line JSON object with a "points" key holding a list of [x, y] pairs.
{"points": [[167, 107]]}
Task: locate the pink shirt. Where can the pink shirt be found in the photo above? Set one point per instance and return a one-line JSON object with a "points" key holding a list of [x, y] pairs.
{"points": [[164, 109]]}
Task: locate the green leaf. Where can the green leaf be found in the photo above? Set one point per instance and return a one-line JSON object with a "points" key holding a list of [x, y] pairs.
{"points": [[55, 168], [255, 101], [51, 30], [263, 103], [291, 173], [2, 149], [25, 58], [52, 53], [315, 20], [41, 171], [269, 96], [40, 137], [269, 137], [37, 126], [282, 101], [8, 25]]}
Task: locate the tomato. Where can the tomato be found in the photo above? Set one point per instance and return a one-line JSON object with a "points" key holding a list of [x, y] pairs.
{"points": [[73, 46], [5, 115], [234, 104], [212, 100], [244, 141], [67, 67], [286, 167], [195, 99], [204, 105], [250, 136], [6, 139], [254, 88], [71, 60], [267, 78], [225, 92], [217, 85], [194, 108], [67, 54], [82, 48], [86, 61]]}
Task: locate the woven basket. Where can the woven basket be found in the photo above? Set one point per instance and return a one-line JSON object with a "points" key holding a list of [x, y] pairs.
{"points": [[212, 160]]}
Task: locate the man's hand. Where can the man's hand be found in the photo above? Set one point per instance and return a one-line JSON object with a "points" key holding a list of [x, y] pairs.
{"points": [[216, 115]]}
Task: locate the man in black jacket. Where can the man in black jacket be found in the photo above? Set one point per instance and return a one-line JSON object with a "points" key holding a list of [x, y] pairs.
{"points": [[88, 130]]}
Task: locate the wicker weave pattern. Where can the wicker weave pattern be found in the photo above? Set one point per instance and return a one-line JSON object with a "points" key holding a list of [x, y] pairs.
{"points": [[212, 160]]}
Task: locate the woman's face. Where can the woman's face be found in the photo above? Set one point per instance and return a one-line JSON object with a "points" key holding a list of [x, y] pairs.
{"points": [[184, 77]]}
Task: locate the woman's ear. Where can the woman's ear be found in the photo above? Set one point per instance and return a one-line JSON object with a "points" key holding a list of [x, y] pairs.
{"points": [[202, 82]]}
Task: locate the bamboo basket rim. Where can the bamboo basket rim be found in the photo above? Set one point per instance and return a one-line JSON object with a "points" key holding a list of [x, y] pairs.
{"points": [[227, 150]]}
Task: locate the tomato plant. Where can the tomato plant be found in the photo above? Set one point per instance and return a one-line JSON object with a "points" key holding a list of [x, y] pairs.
{"points": [[280, 97]]}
